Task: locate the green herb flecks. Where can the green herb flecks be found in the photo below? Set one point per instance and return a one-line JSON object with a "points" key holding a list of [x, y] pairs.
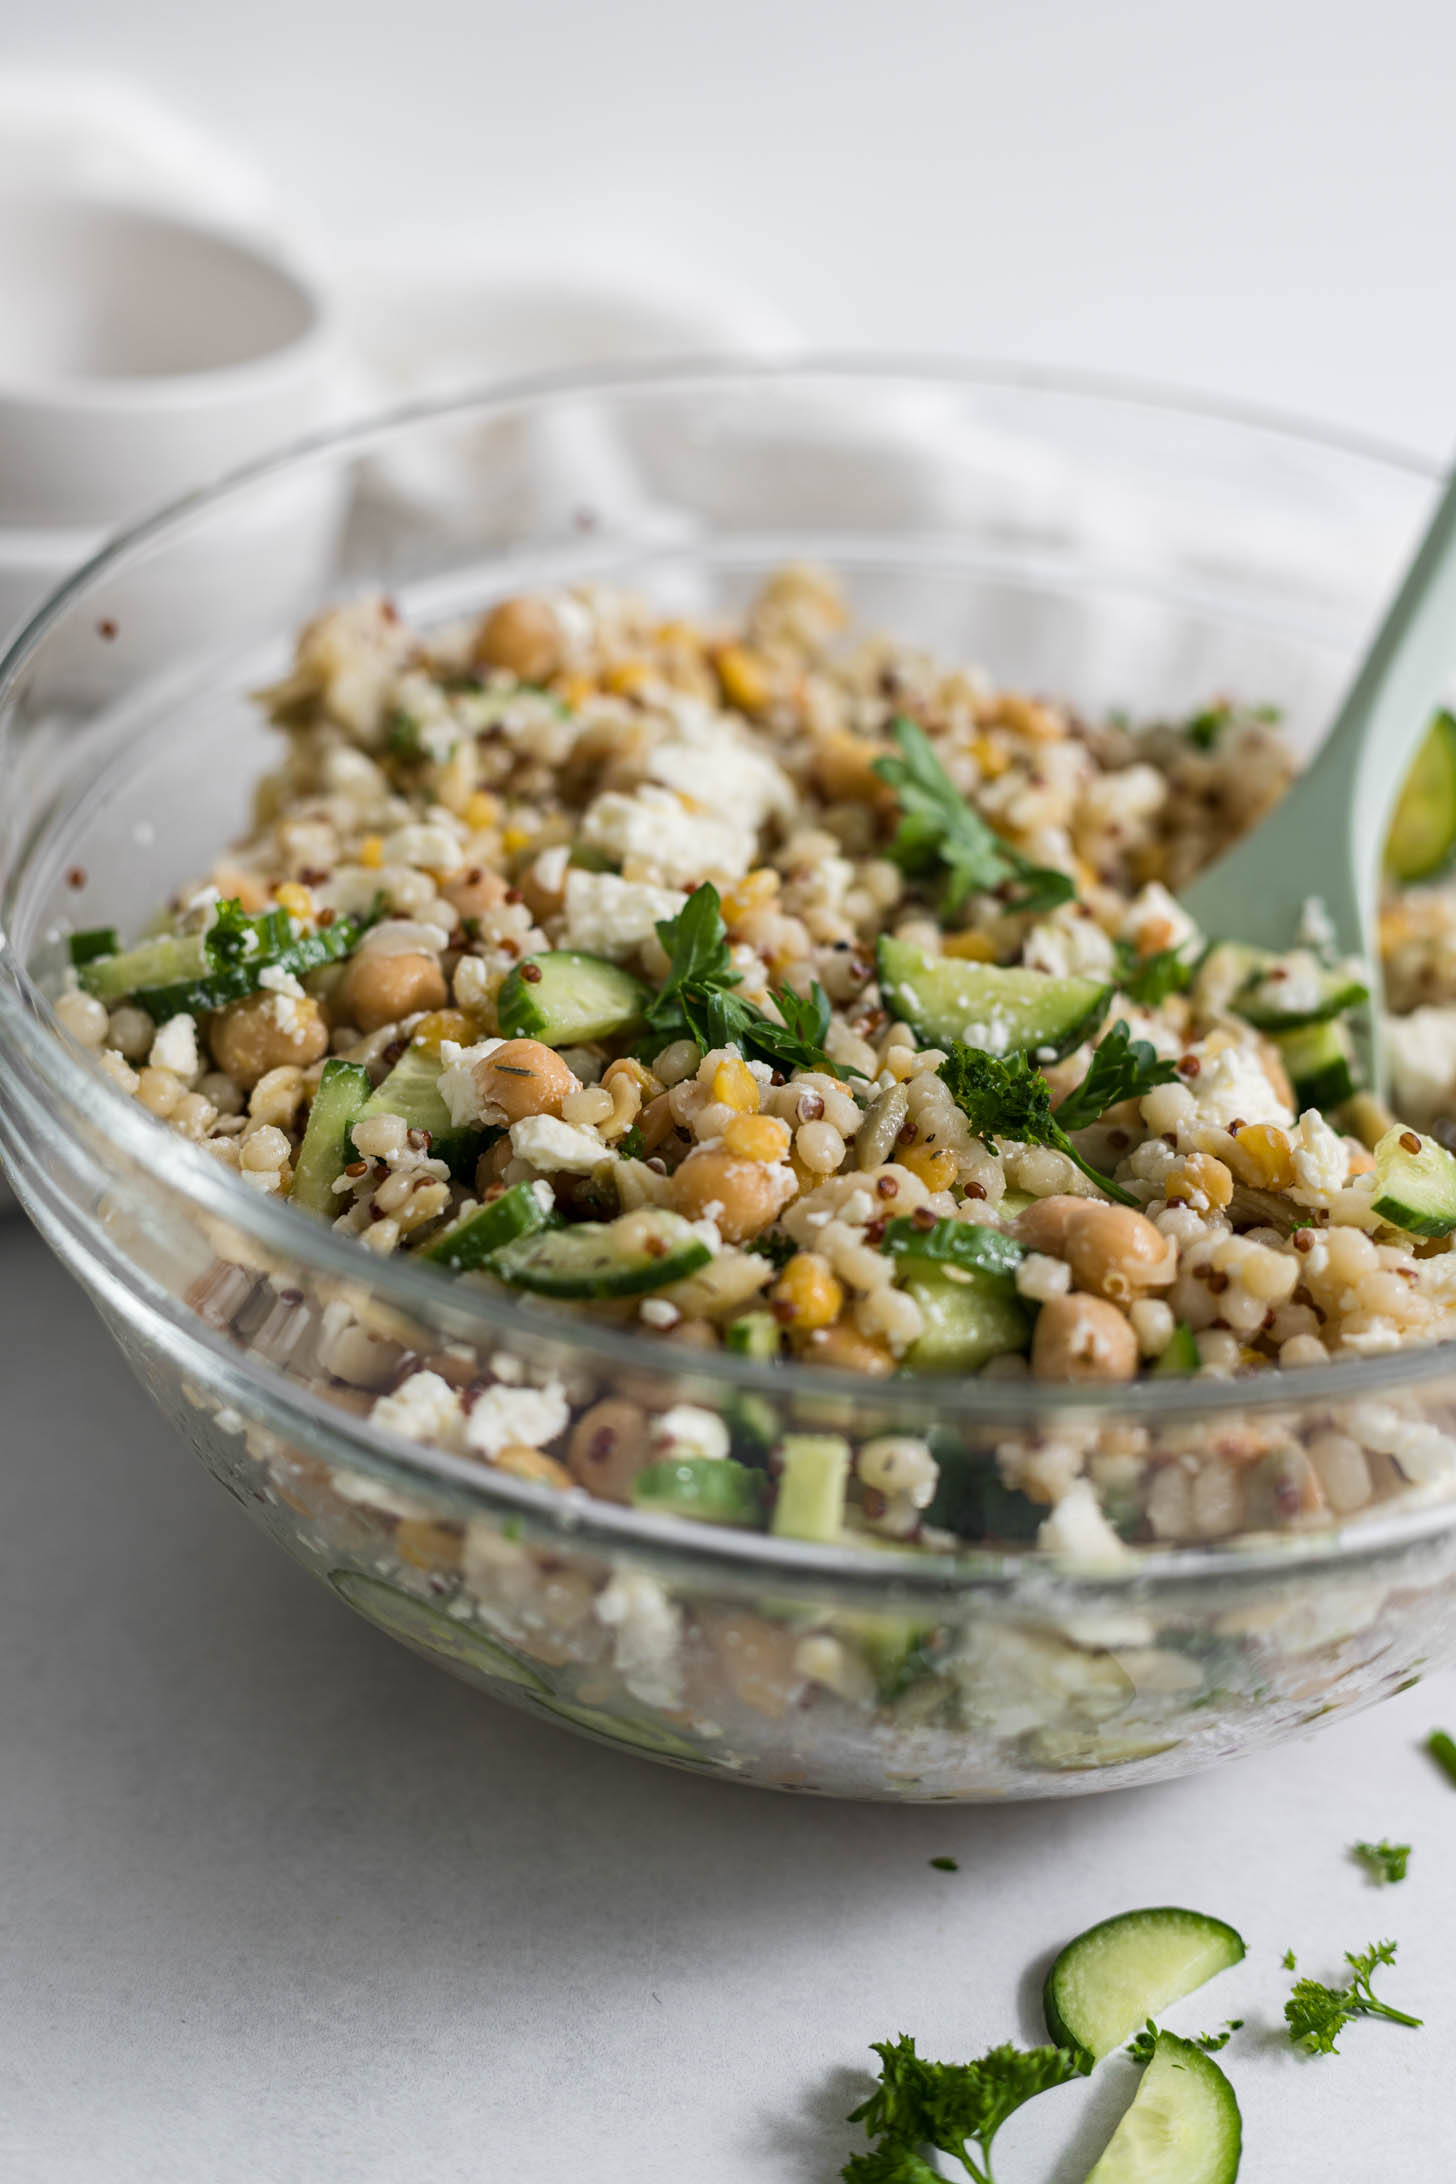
{"points": [[1442, 1749], [1149, 980], [697, 1001], [1140, 2046], [1383, 1861], [1315, 2014], [956, 2107], [946, 1865], [941, 836]]}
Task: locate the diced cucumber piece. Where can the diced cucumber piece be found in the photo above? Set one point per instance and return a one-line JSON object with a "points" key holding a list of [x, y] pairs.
{"points": [[1421, 844], [752, 1421], [341, 1097], [470, 1242], [412, 1091], [1181, 1355], [638, 1736], [193, 973], [1183, 2126], [1112, 1979], [947, 997], [754, 1334], [898, 1649], [97, 940], [1286, 993], [713, 1489], [622, 1258], [968, 1319], [168, 958], [567, 999], [973, 1246], [1320, 1062], [972, 1499], [813, 1474], [1415, 1183], [430, 1630]]}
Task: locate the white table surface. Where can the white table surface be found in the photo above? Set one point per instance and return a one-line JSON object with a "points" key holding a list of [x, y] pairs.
{"points": [[281, 1903]]}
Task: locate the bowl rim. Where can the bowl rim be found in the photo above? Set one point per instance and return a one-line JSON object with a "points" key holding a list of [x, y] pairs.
{"points": [[184, 1169]]}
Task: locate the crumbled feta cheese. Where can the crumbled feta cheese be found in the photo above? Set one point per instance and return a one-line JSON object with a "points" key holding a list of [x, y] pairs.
{"points": [[276, 980], [1320, 1160], [422, 1408], [175, 1047], [1041, 1278], [506, 1417], [457, 1083], [1071, 947], [1421, 1050], [658, 1312], [686, 1431], [609, 916], [1077, 1528], [548, 1142], [427, 844], [669, 843], [1232, 1086], [1155, 921], [720, 768], [648, 1637]]}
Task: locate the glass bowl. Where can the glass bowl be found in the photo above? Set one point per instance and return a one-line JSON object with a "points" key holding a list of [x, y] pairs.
{"points": [[1091, 540]]}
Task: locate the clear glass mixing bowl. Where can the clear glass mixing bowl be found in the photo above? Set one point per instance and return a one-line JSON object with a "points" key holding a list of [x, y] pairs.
{"points": [[1094, 541]]}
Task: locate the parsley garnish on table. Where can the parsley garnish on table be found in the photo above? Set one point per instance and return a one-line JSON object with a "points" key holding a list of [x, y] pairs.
{"points": [[951, 2106], [1383, 1861], [697, 1000], [940, 833], [1316, 2014], [1011, 1098], [1140, 2046]]}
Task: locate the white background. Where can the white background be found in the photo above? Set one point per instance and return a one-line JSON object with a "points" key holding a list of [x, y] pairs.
{"points": [[279, 1903]]}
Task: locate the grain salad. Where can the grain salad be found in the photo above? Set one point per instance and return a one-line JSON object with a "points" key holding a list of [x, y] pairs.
{"points": [[768, 987]]}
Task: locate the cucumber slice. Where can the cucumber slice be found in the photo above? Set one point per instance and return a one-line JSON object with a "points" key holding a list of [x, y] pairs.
{"points": [[622, 1258], [1181, 1355], [1112, 1979], [412, 1091], [1421, 844], [470, 1242], [637, 1736], [972, 1499], [1286, 993], [968, 1319], [1183, 2127], [813, 1474], [430, 1630], [945, 997], [342, 1095], [1321, 1066], [755, 1334], [713, 1489], [568, 999], [193, 973], [973, 1246], [170, 957], [97, 940], [1415, 1183]]}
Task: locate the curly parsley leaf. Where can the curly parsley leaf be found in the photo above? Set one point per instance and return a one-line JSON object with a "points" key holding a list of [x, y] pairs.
{"points": [[696, 1000], [1149, 980], [940, 832], [1011, 1099], [1316, 2014], [1442, 1749], [951, 2106], [888, 2164], [774, 1246], [631, 1145], [1140, 2046], [1383, 1861]]}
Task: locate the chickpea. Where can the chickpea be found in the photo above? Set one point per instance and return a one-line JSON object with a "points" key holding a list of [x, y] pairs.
{"points": [[1042, 1226], [267, 1031], [842, 1348], [522, 636], [747, 1193], [1112, 1250], [1083, 1338], [522, 1078], [608, 1447], [474, 891], [376, 990]]}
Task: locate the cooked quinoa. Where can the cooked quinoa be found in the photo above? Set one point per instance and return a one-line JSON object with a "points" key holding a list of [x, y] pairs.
{"points": [[720, 823]]}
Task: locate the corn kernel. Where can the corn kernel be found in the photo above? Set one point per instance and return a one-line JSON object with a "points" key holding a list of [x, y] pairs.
{"points": [[296, 899], [808, 1294], [677, 633], [756, 1137], [443, 1024], [427, 1546], [627, 677], [935, 1170], [744, 676], [970, 947], [991, 756], [530, 1463], [481, 811], [1260, 1155], [735, 1085], [371, 851], [845, 766], [574, 690], [516, 839], [755, 891]]}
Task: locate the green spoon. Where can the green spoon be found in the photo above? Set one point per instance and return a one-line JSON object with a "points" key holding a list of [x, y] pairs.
{"points": [[1325, 838]]}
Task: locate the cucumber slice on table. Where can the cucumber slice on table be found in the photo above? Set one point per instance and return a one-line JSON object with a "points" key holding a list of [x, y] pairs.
{"points": [[343, 1093], [1320, 1064], [968, 1319], [1183, 2127], [622, 1258], [566, 999], [430, 1629], [1415, 1183], [713, 1489], [470, 1242], [412, 1091], [813, 1475], [947, 997], [1112, 1979], [1421, 844]]}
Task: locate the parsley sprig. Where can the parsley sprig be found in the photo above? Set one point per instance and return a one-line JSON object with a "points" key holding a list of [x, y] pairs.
{"points": [[1316, 2014], [940, 833], [1383, 1861], [1149, 980], [951, 2106], [1011, 1099], [1140, 2046], [697, 1000]]}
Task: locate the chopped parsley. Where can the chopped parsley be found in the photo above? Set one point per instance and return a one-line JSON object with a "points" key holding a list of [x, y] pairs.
{"points": [[940, 835], [1140, 2046], [697, 1001], [1287, 1960], [630, 1145], [1149, 980], [1443, 1751], [1316, 2014], [774, 1246], [1205, 730], [951, 2106], [402, 738], [946, 1865], [1383, 1861], [1010, 1098]]}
